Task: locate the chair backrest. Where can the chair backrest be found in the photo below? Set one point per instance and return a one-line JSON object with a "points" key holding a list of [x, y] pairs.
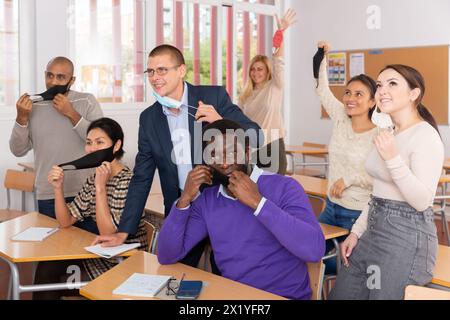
{"points": [[151, 235], [423, 293], [318, 204], [316, 271], [19, 180]]}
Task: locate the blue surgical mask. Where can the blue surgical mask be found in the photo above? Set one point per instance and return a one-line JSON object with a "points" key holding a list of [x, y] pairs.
{"points": [[167, 102]]}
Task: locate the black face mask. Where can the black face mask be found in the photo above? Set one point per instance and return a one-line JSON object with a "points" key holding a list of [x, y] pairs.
{"points": [[91, 160], [51, 93], [220, 178], [317, 60]]}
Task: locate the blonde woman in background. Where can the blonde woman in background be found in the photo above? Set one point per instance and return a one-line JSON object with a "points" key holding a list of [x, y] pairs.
{"points": [[261, 99]]}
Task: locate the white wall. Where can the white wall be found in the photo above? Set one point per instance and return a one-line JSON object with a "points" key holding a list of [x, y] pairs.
{"points": [[404, 23]]}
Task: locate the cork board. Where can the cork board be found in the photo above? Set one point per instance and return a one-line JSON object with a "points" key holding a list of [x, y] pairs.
{"points": [[431, 62]]}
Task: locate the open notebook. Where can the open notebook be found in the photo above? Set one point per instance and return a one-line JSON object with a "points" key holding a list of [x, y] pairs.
{"points": [[34, 234], [142, 285], [109, 252]]}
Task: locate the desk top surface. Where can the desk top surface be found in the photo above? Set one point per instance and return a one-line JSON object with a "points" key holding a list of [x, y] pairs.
{"points": [[305, 150], [6, 215], [423, 293], [441, 274], [313, 185], [65, 244], [218, 288]]}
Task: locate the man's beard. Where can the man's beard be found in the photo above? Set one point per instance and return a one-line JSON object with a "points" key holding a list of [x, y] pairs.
{"points": [[220, 178]]}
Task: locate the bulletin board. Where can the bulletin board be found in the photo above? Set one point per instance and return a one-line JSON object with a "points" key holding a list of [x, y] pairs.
{"points": [[431, 62]]}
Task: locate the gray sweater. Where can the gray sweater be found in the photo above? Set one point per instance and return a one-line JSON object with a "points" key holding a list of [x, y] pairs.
{"points": [[54, 140]]}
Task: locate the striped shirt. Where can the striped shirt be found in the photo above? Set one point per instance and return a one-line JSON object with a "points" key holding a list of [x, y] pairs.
{"points": [[83, 206]]}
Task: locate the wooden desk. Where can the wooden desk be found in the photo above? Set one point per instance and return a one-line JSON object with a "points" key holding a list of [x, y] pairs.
{"points": [[27, 166], [441, 275], [332, 232], [423, 293], [218, 288], [309, 151], [6, 215], [292, 150], [65, 244], [313, 186]]}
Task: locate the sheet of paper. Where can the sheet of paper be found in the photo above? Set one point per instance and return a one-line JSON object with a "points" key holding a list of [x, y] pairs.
{"points": [[356, 64], [142, 285], [34, 234], [109, 252]]}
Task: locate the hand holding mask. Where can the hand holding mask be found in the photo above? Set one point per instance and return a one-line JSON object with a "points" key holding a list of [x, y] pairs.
{"points": [[91, 160], [50, 94], [382, 120]]}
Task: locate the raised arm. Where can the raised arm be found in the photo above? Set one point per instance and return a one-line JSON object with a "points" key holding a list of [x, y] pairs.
{"points": [[185, 226], [292, 221], [282, 24], [93, 112], [62, 212], [332, 105], [20, 140]]}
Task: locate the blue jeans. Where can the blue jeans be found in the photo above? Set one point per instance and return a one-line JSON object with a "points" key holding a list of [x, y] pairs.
{"points": [[339, 216], [47, 207]]}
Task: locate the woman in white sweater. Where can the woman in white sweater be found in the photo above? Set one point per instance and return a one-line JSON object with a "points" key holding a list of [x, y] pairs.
{"points": [[349, 185], [261, 100], [393, 243]]}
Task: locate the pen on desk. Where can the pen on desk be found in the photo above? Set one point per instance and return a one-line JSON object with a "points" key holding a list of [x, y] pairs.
{"points": [[182, 276]]}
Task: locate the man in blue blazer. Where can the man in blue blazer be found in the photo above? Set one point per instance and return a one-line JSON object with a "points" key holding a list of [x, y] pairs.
{"points": [[170, 138]]}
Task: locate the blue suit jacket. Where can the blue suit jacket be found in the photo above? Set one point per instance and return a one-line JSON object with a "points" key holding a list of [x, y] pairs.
{"points": [[155, 148]]}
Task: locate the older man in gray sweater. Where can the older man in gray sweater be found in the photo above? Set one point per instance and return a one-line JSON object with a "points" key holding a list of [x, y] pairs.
{"points": [[56, 131]]}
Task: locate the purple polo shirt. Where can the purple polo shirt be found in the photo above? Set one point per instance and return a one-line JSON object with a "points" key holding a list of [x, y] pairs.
{"points": [[266, 249]]}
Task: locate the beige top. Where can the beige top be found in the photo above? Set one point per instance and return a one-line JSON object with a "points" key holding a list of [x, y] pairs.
{"points": [[264, 104], [412, 176], [347, 150]]}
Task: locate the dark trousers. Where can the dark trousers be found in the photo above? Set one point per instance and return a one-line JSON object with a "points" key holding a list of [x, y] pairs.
{"points": [[47, 207]]}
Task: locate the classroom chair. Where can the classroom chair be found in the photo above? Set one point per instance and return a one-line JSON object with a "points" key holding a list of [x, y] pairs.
{"points": [[441, 204], [316, 272], [318, 204], [424, 293], [152, 236], [20, 181]]}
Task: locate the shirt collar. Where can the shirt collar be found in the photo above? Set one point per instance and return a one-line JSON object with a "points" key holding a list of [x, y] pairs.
{"points": [[254, 176], [184, 102]]}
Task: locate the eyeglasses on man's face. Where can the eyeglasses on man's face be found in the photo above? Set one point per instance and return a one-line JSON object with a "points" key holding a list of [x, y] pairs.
{"points": [[59, 76], [161, 71]]}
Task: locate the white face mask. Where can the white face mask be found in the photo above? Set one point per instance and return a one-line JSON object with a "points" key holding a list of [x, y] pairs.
{"points": [[381, 120]]}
